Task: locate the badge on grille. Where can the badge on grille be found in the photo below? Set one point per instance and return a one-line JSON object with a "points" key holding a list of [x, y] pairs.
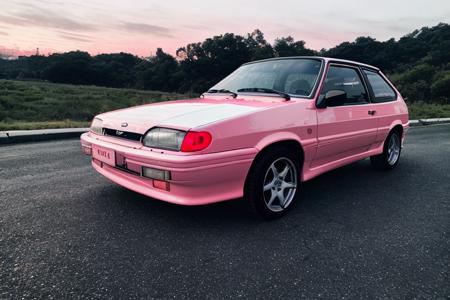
{"points": [[118, 132]]}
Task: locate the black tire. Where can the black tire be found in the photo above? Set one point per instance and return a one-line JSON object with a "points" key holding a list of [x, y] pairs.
{"points": [[253, 190], [383, 161]]}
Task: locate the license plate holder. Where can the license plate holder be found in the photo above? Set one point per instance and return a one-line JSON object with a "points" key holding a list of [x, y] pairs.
{"points": [[105, 155]]}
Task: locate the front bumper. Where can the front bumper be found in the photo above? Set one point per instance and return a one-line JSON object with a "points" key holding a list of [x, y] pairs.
{"points": [[196, 179]]}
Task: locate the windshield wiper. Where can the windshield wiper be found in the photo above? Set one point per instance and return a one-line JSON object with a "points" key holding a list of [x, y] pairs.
{"points": [[267, 91], [223, 91]]}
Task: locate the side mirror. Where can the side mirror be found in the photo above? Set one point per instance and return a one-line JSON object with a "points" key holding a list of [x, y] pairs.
{"points": [[332, 98]]}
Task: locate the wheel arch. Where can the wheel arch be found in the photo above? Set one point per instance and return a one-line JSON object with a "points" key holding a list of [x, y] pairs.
{"points": [[399, 128], [290, 142], [396, 125]]}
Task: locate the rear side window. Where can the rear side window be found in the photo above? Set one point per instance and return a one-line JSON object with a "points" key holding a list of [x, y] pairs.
{"points": [[381, 89]]}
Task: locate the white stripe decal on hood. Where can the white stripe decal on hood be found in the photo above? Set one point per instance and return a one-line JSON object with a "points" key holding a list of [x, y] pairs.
{"points": [[210, 115]]}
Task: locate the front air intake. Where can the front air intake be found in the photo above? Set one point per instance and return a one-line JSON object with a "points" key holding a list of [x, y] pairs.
{"points": [[122, 134]]}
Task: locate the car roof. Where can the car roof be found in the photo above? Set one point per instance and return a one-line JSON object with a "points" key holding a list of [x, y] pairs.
{"points": [[323, 58]]}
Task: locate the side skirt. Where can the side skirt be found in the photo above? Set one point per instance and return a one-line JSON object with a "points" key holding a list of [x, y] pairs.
{"points": [[309, 173]]}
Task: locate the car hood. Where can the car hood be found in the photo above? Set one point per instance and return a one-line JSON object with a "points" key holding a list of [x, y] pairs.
{"points": [[181, 114]]}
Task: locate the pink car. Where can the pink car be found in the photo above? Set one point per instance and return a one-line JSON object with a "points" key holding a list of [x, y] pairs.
{"points": [[257, 134]]}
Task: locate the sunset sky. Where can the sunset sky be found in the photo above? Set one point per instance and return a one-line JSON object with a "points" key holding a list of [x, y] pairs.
{"points": [[140, 26]]}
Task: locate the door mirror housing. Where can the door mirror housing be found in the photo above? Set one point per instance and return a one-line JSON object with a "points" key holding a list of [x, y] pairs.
{"points": [[332, 98]]}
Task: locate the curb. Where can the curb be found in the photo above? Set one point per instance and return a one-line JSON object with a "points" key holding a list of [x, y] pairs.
{"points": [[22, 136], [425, 122], [434, 121]]}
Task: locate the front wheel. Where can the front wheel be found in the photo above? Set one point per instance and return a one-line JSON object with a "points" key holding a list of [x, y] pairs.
{"points": [[273, 182], [391, 152]]}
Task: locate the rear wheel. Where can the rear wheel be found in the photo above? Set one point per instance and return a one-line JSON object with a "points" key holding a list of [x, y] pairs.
{"points": [[391, 152], [273, 183]]}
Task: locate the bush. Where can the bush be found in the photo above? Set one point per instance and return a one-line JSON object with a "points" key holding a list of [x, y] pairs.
{"points": [[440, 89]]}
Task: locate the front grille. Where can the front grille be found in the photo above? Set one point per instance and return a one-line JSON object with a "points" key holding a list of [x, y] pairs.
{"points": [[122, 134]]}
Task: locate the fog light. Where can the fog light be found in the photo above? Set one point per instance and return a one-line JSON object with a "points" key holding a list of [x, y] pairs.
{"points": [[162, 185], [156, 173]]}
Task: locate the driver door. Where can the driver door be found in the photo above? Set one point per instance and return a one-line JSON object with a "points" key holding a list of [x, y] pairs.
{"points": [[346, 127]]}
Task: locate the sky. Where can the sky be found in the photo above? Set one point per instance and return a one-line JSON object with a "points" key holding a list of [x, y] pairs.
{"points": [[141, 26]]}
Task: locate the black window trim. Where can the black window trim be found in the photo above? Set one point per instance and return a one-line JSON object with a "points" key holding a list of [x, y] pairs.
{"points": [[351, 66], [372, 94]]}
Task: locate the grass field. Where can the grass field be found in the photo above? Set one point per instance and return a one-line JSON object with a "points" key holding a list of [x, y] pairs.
{"points": [[36, 105], [422, 110]]}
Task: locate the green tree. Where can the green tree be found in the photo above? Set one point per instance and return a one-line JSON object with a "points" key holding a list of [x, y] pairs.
{"points": [[204, 64], [158, 72], [440, 88], [258, 46], [287, 46], [115, 70], [71, 67]]}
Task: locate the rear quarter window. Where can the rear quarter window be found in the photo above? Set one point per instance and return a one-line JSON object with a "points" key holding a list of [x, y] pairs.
{"points": [[382, 91]]}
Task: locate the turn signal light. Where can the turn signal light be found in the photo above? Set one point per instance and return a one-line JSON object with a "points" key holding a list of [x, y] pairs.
{"points": [[162, 185], [87, 150], [196, 141]]}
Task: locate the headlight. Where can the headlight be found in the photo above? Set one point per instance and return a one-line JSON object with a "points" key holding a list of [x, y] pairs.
{"points": [[164, 138], [96, 126]]}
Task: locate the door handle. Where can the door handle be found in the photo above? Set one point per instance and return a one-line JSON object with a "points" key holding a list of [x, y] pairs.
{"points": [[371, 112]]}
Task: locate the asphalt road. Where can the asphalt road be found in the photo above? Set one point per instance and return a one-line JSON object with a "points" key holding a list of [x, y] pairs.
{"points": [[66, 232]]}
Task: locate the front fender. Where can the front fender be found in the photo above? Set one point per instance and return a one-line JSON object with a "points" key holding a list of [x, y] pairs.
{"points": [[308, 146], [277, 137]]}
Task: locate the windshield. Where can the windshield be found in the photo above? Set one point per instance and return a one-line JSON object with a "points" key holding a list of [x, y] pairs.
{"points": [[295, 77]]}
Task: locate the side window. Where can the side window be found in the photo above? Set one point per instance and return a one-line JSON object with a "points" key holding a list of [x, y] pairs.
{"points": [[381, 89], [348, 80]]}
